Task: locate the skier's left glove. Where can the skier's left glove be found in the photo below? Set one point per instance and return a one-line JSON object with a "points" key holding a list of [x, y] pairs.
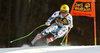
{"points": [[71, 26], [47, 23]]}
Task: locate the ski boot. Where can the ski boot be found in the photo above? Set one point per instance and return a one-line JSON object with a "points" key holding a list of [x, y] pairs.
{"points": [[50, 39], [40, 36]]}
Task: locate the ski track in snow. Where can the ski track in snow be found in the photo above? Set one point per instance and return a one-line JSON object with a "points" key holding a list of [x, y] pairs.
{"points": [[52, 49]]}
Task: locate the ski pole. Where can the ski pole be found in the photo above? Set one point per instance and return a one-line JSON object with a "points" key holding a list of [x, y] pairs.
{"points": [[65, 37], [27, 35]]}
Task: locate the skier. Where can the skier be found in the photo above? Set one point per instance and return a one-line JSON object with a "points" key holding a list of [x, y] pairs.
{"points": [[63, 21]]}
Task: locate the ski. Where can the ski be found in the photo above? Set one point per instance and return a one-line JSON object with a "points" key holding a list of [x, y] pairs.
{"points": [[35, 39]]}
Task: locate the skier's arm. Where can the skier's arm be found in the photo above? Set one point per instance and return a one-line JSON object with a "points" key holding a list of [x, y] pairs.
{"points": [[70, 21], [54, 15]]}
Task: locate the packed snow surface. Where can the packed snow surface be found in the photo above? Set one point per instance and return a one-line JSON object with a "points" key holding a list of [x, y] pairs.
{"points": [[52, 49]]}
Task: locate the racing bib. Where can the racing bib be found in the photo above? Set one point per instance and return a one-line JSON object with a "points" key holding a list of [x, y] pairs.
{"points": [[64, 21]]}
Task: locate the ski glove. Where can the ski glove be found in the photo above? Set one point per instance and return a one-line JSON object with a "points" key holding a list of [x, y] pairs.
{"points": [[47, 23], [71, 26]]}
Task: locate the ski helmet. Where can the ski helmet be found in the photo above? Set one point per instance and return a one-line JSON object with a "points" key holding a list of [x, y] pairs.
{"points": [[64, 8]]}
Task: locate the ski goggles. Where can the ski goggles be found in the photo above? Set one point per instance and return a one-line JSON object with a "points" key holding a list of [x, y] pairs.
{"points": [[62, 11]]}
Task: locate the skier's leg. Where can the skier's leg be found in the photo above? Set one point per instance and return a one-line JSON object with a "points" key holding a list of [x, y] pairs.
{"points": [[60, 34], [52, 28]]}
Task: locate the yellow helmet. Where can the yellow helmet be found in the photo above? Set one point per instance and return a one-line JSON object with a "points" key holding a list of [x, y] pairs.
{"points": [[64, 8]]}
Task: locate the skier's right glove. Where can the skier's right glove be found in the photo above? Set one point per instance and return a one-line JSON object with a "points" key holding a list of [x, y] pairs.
{"points": [[47, 23]]}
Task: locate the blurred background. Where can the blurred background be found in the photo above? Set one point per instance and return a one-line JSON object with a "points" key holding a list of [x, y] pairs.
{"points": [[19, 17]]}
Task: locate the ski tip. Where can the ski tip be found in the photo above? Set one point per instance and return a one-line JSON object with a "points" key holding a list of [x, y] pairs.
{"points": [[11, 41]]}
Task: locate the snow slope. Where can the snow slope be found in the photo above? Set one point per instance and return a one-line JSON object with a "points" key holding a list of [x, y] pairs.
{"points": [[52, 49]]}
